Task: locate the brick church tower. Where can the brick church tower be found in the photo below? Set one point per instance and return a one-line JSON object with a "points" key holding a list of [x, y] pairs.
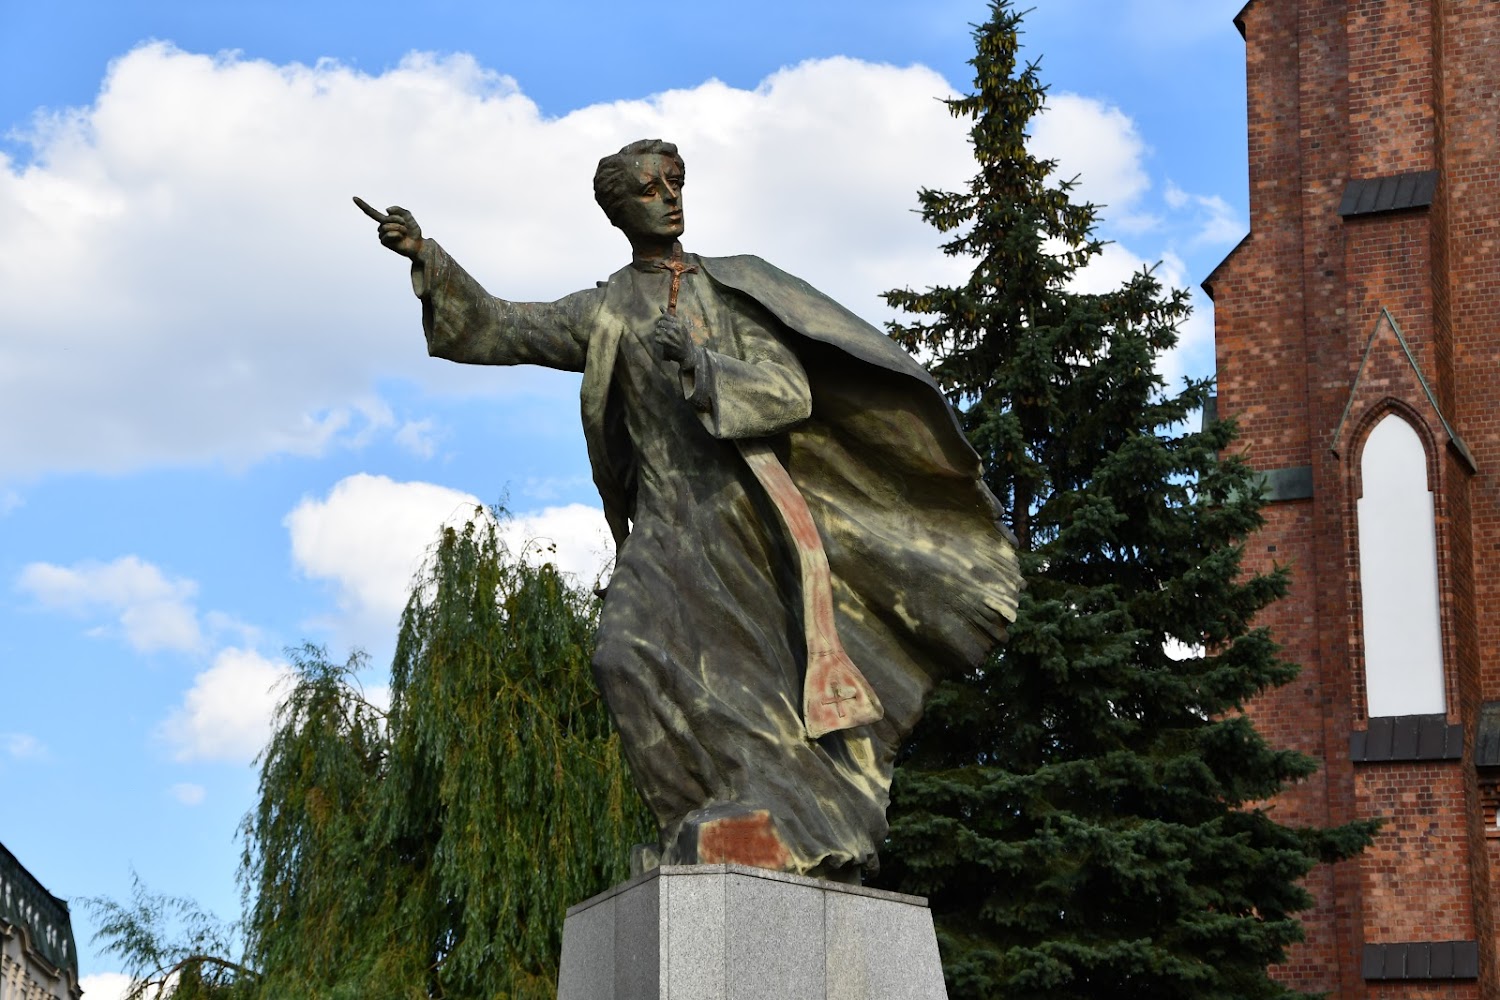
{"points": [[1358, 343]]}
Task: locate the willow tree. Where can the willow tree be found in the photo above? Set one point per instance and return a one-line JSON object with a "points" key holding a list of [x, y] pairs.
{"points": [[1085, 812], [169, 947], [431, 850]]}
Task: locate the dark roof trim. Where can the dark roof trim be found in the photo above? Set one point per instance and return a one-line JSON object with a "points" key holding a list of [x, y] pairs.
{"points": [[1422, 960], [1389, 194], [1239, 19], [1208, 283], [1407, 737]]}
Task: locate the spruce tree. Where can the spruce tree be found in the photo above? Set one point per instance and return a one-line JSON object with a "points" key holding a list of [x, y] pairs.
{"points": [[1087, 811]]}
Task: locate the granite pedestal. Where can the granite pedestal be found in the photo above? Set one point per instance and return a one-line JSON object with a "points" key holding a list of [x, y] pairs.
{"points": [[730, 932]]}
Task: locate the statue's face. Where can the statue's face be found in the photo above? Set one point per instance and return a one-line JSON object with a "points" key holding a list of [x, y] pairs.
{"points": [[653, 207]]}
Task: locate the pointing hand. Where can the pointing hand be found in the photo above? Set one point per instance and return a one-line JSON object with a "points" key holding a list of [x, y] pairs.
{"points": [[398, 228]]}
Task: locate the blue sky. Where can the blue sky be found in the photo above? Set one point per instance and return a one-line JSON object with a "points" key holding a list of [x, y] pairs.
{"points": [[220, 434]]}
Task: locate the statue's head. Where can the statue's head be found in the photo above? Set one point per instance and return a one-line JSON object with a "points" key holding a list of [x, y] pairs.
{"points": [[640, 188]]}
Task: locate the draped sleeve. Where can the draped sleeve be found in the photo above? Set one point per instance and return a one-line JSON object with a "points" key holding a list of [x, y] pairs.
{"points": [[758, 389], [465, 323]]}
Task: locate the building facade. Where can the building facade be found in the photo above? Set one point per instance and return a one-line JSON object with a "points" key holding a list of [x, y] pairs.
{"points": [[1358, 347], [38, 960]]}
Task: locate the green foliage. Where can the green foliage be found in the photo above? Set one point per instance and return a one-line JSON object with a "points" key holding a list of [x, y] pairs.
{"points": [[170, 948], [428, 851], [433, 852], [315, 868], [1087, 812]]}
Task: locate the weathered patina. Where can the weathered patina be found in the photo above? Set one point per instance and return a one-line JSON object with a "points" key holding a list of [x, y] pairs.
{"points": [[804, 544]]}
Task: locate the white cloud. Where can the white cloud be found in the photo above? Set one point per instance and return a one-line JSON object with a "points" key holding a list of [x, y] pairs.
{"points": [[1217, 221], [226, 715], [227, 627], [1115, 265], [188, 793], [10, 500], [378, 695], [151, 611], [369, 536], [1100, 145], [105, 985], [1179, 650], [574, 538], [239, 306], [22, 746], [418, 437]]}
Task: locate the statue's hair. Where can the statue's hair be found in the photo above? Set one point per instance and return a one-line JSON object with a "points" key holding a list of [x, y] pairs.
{"points": [[613, 179]]}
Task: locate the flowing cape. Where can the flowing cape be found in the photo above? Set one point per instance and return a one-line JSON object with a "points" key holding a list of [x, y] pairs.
{"points": [[925, 576]]}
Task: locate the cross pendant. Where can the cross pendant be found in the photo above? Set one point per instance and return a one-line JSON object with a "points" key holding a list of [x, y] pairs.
{"points": [[678, 269]]}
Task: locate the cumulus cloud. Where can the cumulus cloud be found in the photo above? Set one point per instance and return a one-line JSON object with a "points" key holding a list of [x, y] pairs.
{"points": [[1099, 145], [105, 985], [1115, 265], [226, 715], [368, 537], [238, 305], [149, 610], [575, 538]]}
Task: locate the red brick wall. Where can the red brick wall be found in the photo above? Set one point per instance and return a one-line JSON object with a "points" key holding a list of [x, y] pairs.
{"points": [[1468, 290], [1470, 201], [1390, 124], [1423, 991], [1409, 871], [1340, 90]]}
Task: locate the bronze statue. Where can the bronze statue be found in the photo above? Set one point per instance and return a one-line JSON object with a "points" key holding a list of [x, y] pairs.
{"points": [[804, 544]]}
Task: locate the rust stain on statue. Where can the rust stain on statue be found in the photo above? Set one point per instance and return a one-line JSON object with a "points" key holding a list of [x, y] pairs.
{"points": [[750, 839]]}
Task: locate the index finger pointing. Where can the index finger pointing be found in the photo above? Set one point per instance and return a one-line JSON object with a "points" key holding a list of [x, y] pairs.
{"points": [[364, 207]]}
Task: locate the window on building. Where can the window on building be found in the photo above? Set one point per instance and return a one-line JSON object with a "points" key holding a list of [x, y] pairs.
{"points": [[1398, 575]]}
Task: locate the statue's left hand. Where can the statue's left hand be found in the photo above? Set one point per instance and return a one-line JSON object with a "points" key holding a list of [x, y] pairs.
{"points": [[676, 342]]}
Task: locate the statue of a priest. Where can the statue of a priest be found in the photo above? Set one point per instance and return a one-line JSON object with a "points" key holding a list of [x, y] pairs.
{"points": [[804, 544]]}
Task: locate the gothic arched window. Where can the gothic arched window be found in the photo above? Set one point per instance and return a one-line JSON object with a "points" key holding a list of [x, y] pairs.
{"points": [[1398, 575]]}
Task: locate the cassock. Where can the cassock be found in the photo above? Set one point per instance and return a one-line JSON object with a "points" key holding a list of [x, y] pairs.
{"points": [[701, 651]]}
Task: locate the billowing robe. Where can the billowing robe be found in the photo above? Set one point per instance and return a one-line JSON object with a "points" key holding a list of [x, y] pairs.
{"points": [[700, 652]]}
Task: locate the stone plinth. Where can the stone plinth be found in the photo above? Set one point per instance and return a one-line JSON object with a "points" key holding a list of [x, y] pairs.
{"points": [[729, 932]]}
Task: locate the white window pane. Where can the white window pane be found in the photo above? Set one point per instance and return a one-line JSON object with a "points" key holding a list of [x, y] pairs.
{"points": [[1398, 575]]}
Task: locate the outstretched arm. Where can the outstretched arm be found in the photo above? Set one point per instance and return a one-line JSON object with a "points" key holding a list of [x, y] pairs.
{"points": [[465, 323]]}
